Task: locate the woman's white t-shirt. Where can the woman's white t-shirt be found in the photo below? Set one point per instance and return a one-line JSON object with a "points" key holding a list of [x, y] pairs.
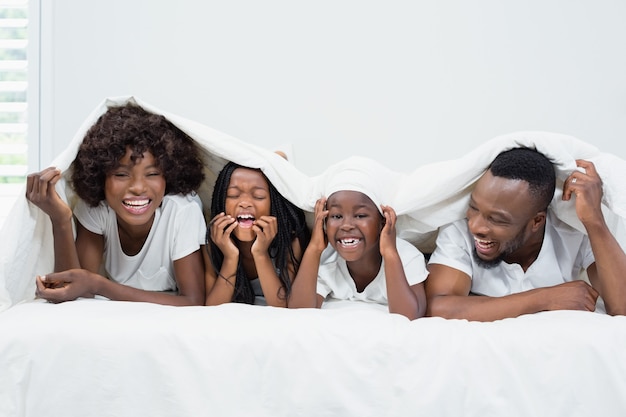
{"points": [[179, 229]]}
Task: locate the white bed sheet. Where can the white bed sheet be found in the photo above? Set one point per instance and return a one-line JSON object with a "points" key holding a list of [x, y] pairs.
{"points": [[105, 358]]}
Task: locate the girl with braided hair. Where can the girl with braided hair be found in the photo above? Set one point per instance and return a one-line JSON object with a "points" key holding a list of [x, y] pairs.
{"points": [[139, 223], [255, 240]]}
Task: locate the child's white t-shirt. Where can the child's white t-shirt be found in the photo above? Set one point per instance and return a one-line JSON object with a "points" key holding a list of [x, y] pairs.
{"points": [[334, 280], [179, 229]]}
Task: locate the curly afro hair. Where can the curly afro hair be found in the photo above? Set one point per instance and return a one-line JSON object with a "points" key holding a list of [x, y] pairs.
{"points": [[130, 126], [528, 165]]}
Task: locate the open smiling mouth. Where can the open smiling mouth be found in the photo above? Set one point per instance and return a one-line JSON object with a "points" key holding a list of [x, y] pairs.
{"points": [[245, 220], [136, 203], [483, 245], [136, 206], [349, 242]]}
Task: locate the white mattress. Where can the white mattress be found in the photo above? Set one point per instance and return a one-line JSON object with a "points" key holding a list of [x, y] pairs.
{"points": [[105, 358]]}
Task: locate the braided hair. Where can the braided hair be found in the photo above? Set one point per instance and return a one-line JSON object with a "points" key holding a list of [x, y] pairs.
{"points": [[291, 225]]}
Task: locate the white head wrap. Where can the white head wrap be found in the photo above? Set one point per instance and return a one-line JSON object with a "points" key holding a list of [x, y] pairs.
{"points": [[360, 174]]}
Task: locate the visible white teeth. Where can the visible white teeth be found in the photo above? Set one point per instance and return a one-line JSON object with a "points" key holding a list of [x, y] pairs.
{"points": [[136, 203], [482, 242], [349, 242], [245, 217]]}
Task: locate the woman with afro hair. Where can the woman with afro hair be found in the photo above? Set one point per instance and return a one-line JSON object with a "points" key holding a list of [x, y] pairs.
{"points": [[255, 240], [139, 223]]}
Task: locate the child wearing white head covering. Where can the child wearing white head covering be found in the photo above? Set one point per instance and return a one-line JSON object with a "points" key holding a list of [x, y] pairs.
{"points": [[354, 253], [359, 174]]}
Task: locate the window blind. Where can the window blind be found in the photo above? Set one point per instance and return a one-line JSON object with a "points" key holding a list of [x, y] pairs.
{"points": [[13, 103]]}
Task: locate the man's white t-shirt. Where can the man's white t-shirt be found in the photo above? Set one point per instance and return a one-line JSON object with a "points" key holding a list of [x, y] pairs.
{"points": [[334, 280], [564, 254], [179, 229]]}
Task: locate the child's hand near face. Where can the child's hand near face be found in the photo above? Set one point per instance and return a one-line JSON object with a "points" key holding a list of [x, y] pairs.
{"points": [[266, 229], [388, 233], [221, 228], [319, 241]]}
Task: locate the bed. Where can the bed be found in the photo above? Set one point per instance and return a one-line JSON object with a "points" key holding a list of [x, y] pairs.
{"points": [[106, 358]]}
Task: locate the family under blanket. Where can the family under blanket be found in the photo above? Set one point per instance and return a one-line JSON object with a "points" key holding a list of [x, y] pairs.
{"points": [[138, 233]]}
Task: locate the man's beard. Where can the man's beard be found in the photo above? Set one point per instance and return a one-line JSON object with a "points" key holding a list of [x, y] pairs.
{"points": [[486, 264], [510, 247]]}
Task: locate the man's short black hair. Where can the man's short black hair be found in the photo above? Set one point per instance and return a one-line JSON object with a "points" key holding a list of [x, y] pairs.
{"points": [[528, 165]]}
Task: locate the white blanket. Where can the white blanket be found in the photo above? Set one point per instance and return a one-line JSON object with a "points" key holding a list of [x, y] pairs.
{"points": [[425, 198]]}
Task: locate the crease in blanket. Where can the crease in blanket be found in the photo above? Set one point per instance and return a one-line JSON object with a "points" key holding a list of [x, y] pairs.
{"points": [[425, 198]]}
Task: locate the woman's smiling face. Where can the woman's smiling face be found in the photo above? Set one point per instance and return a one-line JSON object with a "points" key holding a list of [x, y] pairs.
{"points": [[135, 189]]}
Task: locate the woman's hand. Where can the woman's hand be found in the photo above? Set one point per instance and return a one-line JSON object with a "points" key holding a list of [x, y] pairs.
{"points": [[41, 192], [67, 285]]}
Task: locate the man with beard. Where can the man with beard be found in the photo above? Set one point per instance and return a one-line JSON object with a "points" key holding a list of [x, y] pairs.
{"points": [[512, 256]]}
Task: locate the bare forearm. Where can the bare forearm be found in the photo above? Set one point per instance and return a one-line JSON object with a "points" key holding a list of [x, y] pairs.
{"points": [[401, 299], [221, 292], [482, 308], [610, 261], [115, 291], [271, 285], [304, 289], [65, 254], [223, 289]]}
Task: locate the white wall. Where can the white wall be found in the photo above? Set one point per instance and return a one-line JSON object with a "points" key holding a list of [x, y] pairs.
{"points": [[406, 82]]}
